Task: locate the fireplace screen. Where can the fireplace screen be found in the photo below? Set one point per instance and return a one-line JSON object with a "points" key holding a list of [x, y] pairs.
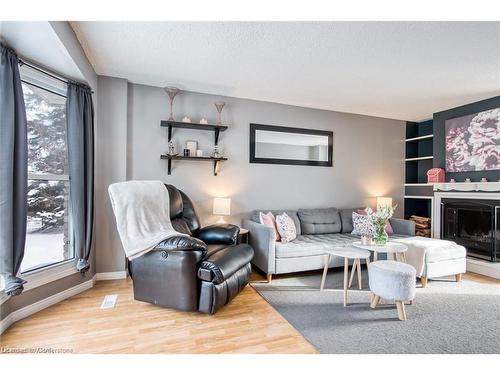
{"points": [[473, 224]]}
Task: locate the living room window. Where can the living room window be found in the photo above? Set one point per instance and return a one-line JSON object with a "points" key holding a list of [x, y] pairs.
{"points": [[48, 219]]}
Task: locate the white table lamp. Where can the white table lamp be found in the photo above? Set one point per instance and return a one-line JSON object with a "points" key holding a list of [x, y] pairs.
{"points": [[384, 202], [222, 207]]}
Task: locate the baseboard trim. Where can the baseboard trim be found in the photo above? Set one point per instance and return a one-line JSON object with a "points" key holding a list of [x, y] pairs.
{"points": [[44, 303], [111, 275], [483, 268]]}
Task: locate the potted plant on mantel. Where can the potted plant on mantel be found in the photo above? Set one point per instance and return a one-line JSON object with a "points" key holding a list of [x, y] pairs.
{"points": [[379, 219]]}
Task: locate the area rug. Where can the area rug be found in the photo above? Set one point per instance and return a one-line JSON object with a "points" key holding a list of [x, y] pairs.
{"points": [[445, 318]]}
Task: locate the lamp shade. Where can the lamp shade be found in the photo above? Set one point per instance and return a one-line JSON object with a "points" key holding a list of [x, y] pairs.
{"points": [[222, 206], [384, 202]]}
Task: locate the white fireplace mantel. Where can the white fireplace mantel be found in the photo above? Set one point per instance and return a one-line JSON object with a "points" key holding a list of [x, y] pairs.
{"points": [[468, 186]]}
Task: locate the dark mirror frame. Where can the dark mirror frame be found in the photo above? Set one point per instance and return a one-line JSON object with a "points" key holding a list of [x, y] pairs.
{"points": [[285, 129]]}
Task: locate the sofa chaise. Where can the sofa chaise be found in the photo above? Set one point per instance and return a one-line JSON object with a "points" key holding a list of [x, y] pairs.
{"points": [[316, 229]]}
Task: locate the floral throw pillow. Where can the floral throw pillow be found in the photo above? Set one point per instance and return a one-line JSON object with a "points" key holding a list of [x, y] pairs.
{"points": [[286, 227], [388, 226], [362, 224]]}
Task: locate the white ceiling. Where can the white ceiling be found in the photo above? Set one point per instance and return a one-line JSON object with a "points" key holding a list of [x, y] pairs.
{"points": [[37, 41], [401, 70]]}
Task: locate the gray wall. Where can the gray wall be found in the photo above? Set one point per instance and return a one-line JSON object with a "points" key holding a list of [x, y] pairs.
{"points": [[363, 147], [368, 157], [111, 166]]}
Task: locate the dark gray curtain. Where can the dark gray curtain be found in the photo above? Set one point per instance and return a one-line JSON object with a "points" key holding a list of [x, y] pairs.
{"points": [[13, 172], [80, 120]]}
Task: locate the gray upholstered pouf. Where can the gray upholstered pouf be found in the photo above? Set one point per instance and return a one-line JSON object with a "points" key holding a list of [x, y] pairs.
{"points": [[392, 280]]}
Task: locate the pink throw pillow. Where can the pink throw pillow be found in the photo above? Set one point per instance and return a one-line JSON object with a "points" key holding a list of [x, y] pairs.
{"points": [[388, 226], [269, 221]]}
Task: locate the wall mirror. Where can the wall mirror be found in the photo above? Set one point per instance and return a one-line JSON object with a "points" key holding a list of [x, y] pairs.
{"points": [[285, 145]]}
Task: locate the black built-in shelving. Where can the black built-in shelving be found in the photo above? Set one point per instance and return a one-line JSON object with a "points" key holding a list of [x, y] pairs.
{"points": [[418, 160]]}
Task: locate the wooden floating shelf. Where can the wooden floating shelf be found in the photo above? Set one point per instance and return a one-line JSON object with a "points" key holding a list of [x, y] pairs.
{"points": [[420, 158], [418, 197], [216, 161], [192, 125], [421, 138], [180, 157], [419, 184]]}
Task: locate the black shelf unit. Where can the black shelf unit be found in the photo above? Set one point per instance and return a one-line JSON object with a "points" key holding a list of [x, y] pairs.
{"points": [[418, 206], [419, 151], [193, 158], [217, 129], [419, 155]]}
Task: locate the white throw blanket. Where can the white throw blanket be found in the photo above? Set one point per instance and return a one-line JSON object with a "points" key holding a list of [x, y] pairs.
{"points": [[417, 247], [142, 211]]}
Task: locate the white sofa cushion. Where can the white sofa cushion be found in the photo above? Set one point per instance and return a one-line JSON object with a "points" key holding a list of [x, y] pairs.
{"points": [[439, 254], [423, 251], [315, 244]]}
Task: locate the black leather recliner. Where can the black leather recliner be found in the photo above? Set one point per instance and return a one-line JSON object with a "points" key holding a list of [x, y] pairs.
{"points": [[201, 272]]}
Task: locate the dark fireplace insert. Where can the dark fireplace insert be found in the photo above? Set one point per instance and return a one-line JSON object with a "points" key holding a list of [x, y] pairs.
{"points": [[474, 224]]}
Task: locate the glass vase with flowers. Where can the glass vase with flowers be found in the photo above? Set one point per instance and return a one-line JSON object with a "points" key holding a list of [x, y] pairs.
{"points": [[379, 219]]}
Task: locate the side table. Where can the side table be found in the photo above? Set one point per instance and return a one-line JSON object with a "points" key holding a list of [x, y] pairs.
{"points": [[243, 237], [391, 248], [348, 252]]}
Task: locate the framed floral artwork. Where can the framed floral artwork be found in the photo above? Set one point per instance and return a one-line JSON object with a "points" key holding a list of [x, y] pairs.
{"points": [[473, 142]]}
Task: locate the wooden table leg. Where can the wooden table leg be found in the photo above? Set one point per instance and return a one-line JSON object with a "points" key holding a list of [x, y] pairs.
{"points": [[346, 272], [325, 271], [403, 255], [359, 273], [353, 271]]}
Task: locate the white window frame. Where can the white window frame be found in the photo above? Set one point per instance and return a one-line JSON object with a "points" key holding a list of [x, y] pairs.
{"points": [[51, 272]]}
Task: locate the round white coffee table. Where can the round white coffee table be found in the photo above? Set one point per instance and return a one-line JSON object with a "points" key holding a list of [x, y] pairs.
{"points": [[347, 252], [391, 248]]}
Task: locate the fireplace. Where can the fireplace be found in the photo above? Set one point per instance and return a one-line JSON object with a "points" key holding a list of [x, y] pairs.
{"points": [[474, 224]]}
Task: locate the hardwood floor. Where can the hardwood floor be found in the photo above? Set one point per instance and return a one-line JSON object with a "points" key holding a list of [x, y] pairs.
{"points": [[480, 278], [247, 325]]}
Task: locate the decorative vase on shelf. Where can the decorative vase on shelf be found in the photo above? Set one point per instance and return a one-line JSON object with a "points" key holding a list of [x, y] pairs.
{"points": [[219, 106], [171, 148], [216, 154], [172, 92]]}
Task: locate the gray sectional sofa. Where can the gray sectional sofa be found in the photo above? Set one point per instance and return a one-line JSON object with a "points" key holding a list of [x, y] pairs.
{"points": [[317, 229]]}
